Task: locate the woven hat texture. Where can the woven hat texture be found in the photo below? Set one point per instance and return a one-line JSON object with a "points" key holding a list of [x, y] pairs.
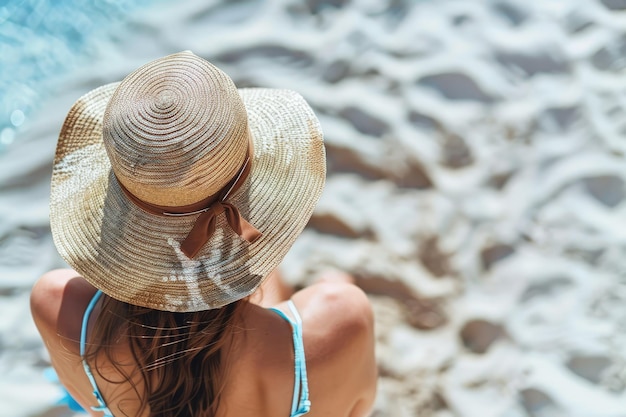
{"points": [[172, 133]]}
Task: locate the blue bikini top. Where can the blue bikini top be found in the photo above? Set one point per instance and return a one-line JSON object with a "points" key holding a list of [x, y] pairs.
{"points": [[300, 404]]}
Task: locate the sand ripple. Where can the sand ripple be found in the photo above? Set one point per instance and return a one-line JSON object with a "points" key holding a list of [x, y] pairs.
{"points": [[476, 188]]}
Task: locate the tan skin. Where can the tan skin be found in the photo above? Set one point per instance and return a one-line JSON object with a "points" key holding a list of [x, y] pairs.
{"points": [[338, 340]]}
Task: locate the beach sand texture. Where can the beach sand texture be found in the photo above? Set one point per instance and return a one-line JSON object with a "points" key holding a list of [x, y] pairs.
{"points": [[476, 189]]}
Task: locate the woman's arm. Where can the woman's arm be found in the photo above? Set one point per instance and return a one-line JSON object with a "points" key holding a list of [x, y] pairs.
{"points": [[58, 300], [339, 339]]}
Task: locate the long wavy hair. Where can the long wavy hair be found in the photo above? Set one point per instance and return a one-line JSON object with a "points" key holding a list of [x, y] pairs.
{"points": [[179, 355]]}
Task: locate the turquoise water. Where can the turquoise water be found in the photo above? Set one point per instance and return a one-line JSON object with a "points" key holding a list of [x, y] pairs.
{"points": [[40, 40]]}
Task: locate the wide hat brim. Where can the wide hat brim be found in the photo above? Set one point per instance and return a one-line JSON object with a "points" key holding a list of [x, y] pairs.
{"points": [[135, 257]]}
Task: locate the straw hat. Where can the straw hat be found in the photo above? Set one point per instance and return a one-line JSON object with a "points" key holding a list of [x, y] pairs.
{"points": [[174, 190]]}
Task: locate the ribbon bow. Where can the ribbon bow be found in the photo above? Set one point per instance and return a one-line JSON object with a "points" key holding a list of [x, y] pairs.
{"points": [[205, 225]]}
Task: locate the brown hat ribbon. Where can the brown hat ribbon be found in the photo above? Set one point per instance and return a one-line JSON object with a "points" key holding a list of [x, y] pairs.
{"points": [[210, 208]]}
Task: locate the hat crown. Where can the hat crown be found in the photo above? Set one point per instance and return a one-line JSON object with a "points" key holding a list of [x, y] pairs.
{"points": [[176, 130]]}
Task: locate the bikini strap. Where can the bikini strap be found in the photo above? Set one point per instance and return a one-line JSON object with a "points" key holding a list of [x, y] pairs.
{"points": [[300, 404], [83, 341]]}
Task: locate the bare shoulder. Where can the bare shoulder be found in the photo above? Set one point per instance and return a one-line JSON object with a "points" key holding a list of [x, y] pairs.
{"points": [[337, 320], [338, 330], [338, 312], [57, 301]]}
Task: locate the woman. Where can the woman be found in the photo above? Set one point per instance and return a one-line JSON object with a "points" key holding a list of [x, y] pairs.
{"points": [[174, 198]]}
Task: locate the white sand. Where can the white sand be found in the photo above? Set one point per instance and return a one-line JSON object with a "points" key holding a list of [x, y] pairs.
{"points": [[476, 188]]}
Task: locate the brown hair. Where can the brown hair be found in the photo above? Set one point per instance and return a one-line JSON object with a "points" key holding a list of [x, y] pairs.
{"points": [[178, 355]]}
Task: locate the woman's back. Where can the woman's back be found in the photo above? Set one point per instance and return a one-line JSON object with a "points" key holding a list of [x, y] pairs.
{"points": [[258, 363]]}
